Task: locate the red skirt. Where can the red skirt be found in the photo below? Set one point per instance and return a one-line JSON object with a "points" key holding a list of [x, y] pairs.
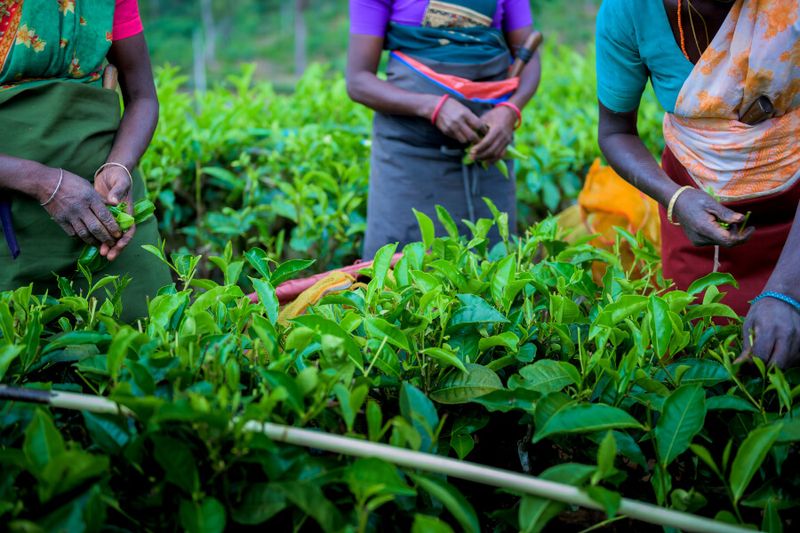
{"points": [[751, 263]]}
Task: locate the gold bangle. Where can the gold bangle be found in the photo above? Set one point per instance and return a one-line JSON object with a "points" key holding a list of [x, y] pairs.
{"points": [[673, 201], [112, 164]]}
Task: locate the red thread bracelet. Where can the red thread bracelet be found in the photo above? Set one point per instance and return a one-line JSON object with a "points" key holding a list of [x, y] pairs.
{"points": [[438, 108], [515, 109]]}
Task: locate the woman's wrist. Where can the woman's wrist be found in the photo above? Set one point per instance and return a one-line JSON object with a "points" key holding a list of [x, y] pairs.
{"points": [[427, 105], [512, 114], [780, 286], [38, 181]]}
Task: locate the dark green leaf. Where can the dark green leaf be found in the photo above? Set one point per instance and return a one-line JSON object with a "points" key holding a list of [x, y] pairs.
{"points": [[207, 516], [750, 456], [681, 419], [458, 387], [585, 418], [452, 499]]}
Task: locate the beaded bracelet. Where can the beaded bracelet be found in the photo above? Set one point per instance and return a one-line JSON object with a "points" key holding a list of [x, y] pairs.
{"points": [[779, 296]]}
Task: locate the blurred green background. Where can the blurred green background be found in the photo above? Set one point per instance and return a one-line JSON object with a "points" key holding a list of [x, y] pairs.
{"points": [[211, 38]]}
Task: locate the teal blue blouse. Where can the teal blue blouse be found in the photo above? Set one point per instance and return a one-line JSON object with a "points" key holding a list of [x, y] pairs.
{"points": [[635, 43]]}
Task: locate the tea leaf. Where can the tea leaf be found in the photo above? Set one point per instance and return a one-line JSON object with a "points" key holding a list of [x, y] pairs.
{"points": [[287, 270], [750, 456], [585, 418], [452, 499], [429, 524], [475, 310], [447, 222], [426, 228], [608, 499], [43, 443], [681, 419], [660, 325], [420, 412], [458, 387], [535, 512], [207, 516], [259, 503], [445, 357], [715, 279], [543, 376]]}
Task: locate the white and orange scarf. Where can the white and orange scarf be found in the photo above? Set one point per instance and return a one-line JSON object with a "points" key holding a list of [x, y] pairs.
{"points": [[755, 53]]}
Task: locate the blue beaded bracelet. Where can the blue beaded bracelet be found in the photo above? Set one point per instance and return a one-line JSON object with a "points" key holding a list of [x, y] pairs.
{"points": [[779, 296]]}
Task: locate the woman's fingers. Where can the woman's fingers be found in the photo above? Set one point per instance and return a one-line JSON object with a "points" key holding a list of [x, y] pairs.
{"points": [[119, 191], [99, 221], [764, 345], [117, 249], [493, 151], [469, 134], [724, 214], [65, 225], [480, 150], [474, 123], [83, 232], [97, 229], [102, 213]]}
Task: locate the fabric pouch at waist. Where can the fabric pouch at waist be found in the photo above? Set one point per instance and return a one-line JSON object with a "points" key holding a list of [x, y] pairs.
{"points": [[60, 124]]}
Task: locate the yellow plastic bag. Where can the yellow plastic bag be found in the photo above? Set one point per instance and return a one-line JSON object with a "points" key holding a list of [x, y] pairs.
{"points": [[337, 281]]}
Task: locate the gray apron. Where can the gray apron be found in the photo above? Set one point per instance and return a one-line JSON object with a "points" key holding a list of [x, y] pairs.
{"points": [[416, 166]]}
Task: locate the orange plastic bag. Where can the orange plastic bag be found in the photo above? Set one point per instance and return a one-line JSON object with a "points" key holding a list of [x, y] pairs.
{"points": [[607, 201]]}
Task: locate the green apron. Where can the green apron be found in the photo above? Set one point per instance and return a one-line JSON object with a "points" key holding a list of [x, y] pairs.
{"points": [[52, 100]]}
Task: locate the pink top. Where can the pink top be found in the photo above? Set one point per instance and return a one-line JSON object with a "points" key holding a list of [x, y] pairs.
{"points": [[127, 22], [371, 17]]}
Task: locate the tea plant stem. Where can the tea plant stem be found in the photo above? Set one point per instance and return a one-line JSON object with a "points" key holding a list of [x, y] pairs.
{"points": [[603, 524], [405, 458]]}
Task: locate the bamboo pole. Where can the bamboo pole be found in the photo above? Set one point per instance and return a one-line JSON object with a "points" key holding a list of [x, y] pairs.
{"points": [[467, 471]]}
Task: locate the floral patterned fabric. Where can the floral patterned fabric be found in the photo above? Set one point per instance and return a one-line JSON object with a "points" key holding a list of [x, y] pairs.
{"points": [[756, 53], [53, 39]]}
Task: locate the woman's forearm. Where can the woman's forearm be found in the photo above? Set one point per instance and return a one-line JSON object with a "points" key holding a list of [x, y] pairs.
{"points": [[786, 276], [629, 156], [625, 151], [132, 59], [367, 89], [528, 82], [27, 177], [135, 132]]}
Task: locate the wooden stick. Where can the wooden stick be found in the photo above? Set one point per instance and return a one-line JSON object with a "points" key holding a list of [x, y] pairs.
{"points": [[525, 53]]}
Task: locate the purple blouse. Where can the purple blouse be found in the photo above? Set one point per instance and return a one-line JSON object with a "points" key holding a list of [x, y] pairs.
{"points": [[370, 17]]}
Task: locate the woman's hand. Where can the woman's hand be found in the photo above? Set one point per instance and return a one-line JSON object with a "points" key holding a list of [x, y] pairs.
{"points": [[492, 147], [772, 333], [79, 209], [113, 184], [457, 121], [700, 216]]}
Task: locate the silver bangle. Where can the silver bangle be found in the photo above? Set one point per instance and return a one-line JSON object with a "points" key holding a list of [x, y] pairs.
{"points": [[113, 164], [58, 187]]}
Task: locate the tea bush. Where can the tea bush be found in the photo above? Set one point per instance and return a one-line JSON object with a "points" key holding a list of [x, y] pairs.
{"points": [[290, 173], [513, 357]]}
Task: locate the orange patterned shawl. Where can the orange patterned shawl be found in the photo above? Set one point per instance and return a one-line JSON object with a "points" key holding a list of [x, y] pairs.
{"points": [[755, 53]]}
